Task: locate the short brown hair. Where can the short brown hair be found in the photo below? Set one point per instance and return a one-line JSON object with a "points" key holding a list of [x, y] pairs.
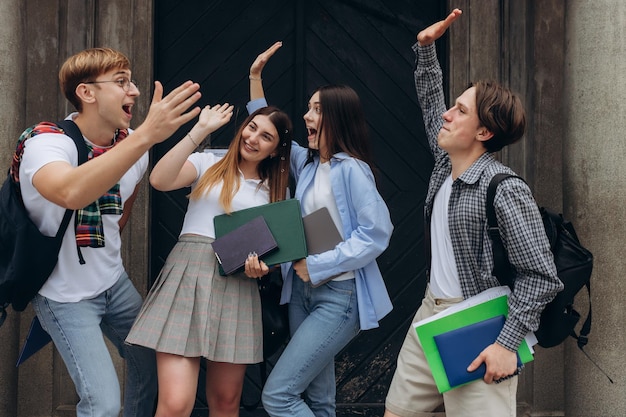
{"points": [[86, 66], [501, 112]]}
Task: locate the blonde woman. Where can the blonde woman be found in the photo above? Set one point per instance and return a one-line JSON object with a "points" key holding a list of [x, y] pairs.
{"points": [[192, 312]]}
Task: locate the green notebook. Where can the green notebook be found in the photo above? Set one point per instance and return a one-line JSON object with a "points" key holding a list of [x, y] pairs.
{"points": [[485, 310], [285, 222]]}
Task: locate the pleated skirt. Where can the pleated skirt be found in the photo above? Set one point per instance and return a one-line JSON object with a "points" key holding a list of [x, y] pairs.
{"points": [[193, 311]]}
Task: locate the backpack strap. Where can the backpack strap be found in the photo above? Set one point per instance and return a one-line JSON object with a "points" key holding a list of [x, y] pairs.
{"points": [[72, 130], [502, 268]]}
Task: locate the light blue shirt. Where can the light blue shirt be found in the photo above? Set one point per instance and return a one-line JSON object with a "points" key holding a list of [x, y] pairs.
{"points": [[366, 225]]}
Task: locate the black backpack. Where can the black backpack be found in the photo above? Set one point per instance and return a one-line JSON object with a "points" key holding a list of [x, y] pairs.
{"points": [[27, 257], [574, 264]]}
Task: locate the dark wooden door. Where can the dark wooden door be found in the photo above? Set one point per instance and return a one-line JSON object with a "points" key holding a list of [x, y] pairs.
{"points": [[365, 44]]}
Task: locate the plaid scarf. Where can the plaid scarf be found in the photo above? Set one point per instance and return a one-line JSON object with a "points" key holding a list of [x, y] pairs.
{"points": [[89, 228], [43, 127]]}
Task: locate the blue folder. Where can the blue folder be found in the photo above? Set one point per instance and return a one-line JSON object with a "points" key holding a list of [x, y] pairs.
{"points": [[36, 339], [458, 348]]}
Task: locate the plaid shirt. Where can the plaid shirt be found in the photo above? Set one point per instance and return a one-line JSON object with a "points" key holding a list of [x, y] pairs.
{"points": [[521, 227]]}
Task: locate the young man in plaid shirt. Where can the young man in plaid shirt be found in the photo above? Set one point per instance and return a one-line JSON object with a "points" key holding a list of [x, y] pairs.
{"points": [[484, 119]]}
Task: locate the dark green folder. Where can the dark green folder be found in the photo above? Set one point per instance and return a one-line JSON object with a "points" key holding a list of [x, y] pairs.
{"points": [[284, 220]]}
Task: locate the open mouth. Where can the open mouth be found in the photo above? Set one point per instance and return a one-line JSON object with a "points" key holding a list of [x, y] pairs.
{"points": [[128, 109], [312, 133]]}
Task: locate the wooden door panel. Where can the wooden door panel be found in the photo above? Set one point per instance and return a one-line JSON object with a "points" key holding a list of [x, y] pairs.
{"points": [[365, 44]]}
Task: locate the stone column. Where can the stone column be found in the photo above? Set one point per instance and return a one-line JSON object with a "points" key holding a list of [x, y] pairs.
{"points": [[595, 196], [12, 69]]}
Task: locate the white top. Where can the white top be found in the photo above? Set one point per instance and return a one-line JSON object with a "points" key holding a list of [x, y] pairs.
{"points": [[321, 195], [200, 212], [70, 281], [444, 277]]}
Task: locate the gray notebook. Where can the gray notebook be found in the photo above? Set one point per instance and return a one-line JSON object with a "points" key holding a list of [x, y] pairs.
{"points": [[320, 232]]}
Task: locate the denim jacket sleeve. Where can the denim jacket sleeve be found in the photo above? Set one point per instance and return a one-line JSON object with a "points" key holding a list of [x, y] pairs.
{"points": [[256, 104], [366, 222]]}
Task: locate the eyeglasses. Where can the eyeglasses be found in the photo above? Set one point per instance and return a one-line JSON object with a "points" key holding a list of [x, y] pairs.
{"points": [[124, 83]]}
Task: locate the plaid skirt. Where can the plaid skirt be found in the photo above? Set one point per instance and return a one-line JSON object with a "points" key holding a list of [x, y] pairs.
{"points": [[193, 311]]}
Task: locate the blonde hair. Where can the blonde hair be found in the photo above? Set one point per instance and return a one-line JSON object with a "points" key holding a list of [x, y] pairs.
{"points": [[275, 169], [86, 66]]}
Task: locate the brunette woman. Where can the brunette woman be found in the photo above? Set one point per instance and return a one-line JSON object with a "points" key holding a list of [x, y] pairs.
{"points": [[334, 294]]}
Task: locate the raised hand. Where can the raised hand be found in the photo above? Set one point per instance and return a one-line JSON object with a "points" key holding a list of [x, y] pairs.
{"points": [[259, 63], [212, 118], [436, 30], [167, 114]]}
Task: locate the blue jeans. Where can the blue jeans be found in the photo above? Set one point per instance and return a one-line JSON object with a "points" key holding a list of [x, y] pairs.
{"points": [[77, 330], [322, 321]]}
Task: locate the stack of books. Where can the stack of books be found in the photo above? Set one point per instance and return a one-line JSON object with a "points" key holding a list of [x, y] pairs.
{"points": [[276, 232], [278, 237], [453, 338]]}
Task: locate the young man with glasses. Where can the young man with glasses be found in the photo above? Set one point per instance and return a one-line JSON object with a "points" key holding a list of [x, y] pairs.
{"points": [[89, 295]]}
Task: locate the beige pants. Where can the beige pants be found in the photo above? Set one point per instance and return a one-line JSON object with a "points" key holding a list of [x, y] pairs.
{"points": [[413, 392]]}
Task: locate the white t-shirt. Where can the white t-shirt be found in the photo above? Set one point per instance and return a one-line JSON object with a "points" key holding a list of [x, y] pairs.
{"points": [[444, 277], [321, 195], [200, 212], [70, 281]]}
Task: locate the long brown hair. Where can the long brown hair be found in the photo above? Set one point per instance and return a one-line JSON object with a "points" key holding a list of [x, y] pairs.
{"points": [[273, 169], [343, 122]]}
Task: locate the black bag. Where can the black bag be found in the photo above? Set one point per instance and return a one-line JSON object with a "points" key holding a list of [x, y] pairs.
{"points": [[275, 318], [27, 257], [574, 264]]}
